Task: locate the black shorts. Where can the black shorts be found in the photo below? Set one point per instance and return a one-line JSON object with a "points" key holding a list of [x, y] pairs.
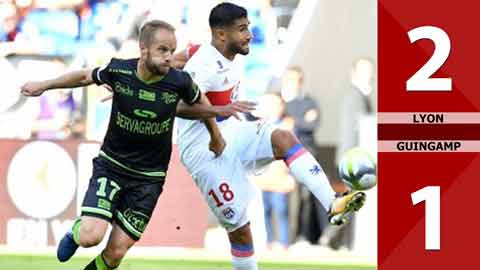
{"points": [[115, 194]]}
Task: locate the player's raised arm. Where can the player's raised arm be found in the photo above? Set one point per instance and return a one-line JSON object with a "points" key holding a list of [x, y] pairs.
{"points": [[69, 80], [180, 59]]}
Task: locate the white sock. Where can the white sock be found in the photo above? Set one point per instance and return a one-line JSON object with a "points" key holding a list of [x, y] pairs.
{"points": [[308, 171], [244, 263]]}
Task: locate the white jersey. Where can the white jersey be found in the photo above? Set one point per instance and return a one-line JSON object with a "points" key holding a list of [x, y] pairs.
{"points": [[223, 181], [219, 79]]}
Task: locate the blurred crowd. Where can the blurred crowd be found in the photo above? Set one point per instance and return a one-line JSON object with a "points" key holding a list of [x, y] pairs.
{"points": [[43, 38], [290, 209]]}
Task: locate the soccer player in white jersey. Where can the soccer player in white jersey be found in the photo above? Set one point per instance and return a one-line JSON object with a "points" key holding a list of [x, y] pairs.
{"points": [[223, 181]]}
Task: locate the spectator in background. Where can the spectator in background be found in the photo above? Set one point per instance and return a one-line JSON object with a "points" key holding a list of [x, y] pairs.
{"points": [[276, 182], [10, 22], [303, 111], [56, 117], [354, 107], [259, 66], [355, 104], [12, 36], [300, 107]]}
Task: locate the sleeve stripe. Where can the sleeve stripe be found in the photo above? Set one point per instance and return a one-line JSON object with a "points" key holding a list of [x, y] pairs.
{"points": [[98, 73], [98, 76], [197, 96]]}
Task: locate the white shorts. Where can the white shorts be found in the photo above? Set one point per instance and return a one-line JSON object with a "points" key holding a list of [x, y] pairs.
{"points": [[223, 181]]}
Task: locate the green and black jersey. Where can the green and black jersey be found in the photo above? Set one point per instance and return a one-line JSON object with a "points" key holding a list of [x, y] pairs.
{"points": [[139, 134]]}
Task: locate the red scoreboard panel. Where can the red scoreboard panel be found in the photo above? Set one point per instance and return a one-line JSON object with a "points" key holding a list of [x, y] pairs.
{"points": [[428, 134]]}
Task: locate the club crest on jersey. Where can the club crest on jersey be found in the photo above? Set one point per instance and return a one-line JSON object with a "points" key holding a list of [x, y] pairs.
{"points": [[220, 65], [228, 213]]}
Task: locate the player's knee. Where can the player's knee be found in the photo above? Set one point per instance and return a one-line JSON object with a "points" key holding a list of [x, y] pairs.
{"points": [[282, 141], [90, 236]]}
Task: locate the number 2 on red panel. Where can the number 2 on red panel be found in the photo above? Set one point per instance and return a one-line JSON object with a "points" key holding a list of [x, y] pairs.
{"points": [[421, 80]]}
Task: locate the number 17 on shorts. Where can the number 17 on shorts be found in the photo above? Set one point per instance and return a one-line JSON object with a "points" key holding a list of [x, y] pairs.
{"points": [[429, 134]]}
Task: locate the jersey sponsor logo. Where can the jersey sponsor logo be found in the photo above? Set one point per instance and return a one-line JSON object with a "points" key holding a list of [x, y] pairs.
{"points": [[123, 71], [123, 89], [145, 113], [143, 127], [169, 98], [146, 95], [315, 170], [137, 219], [104, 204]]}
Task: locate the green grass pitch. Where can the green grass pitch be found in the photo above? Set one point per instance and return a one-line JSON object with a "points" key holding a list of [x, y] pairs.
{"points": [[37, 262]]}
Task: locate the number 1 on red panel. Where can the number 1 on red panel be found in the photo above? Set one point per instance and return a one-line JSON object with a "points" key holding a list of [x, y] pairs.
{"points": [[431, 196]]}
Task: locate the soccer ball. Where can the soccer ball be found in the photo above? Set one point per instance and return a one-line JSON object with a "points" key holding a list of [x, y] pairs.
{"points": [[357, 169]]}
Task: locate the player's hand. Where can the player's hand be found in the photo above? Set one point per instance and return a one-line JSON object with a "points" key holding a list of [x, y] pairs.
{"points": [[217, 145], [234, 108], [33, 89]]}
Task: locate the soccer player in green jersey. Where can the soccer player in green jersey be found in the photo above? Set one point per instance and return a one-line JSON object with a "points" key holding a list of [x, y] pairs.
{"points": [[129, 173]]}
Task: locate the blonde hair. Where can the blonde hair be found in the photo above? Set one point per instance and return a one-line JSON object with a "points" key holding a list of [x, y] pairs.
{"points": [[148, 30]]}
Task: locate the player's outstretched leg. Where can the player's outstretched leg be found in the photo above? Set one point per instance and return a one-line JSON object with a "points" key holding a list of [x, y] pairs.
{"points": [[85, 232], [306, 169], [242, 249], [111, 257]]}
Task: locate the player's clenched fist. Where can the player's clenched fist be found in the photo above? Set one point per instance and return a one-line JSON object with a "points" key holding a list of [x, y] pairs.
{"points": [[217, 145], [33, 89]]}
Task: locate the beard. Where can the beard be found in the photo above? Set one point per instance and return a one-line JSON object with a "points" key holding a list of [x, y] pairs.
{"points": [[237, 49], [154, 69]]}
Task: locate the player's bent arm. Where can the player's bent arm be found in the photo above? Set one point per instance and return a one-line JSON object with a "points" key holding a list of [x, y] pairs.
{"points": [[200, 110], [69, 80]]}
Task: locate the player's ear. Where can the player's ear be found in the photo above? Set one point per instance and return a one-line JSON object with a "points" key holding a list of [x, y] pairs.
{"points": [[143, 48], [220, 33]]}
